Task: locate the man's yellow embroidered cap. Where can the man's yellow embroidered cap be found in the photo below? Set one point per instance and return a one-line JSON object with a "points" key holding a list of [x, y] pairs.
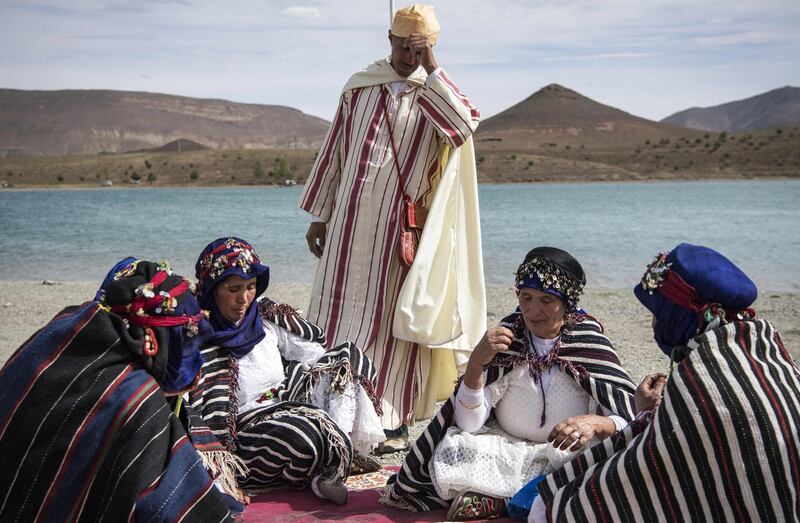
{"points": [[416, 18]]}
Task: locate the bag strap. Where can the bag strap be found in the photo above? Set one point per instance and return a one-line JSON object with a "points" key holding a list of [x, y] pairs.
{"points": [[400, 178]]}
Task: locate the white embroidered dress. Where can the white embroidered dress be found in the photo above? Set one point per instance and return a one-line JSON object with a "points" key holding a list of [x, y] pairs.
{"points": [[261, 370], [500, 456]]}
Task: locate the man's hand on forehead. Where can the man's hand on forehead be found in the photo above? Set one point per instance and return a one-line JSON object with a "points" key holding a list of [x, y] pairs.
{"points": [[416, 40], [420, 47]]}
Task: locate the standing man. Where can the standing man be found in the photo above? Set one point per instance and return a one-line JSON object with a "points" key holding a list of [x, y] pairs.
{"points": [[402, 133]]}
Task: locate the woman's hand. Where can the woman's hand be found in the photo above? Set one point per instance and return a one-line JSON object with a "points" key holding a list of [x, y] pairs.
{"points": [[497, 339], [648, 394], [575, 432]]}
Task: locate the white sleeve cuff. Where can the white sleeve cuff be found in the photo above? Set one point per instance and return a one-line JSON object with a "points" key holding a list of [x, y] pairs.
{"points": [[316, 219], [470, 398], [433, 76], [618, 421], [471, 409]]}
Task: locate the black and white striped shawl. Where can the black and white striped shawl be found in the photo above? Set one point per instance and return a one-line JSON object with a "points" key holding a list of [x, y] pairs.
{"points": [[215, 396], [585, 354], [286, 317], [724, 445]]}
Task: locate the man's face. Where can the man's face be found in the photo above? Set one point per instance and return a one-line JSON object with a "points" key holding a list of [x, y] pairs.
{"points": [[403, 61]]}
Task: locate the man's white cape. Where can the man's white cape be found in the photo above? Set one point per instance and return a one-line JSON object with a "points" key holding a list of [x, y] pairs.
{"points": [[442, 303]]}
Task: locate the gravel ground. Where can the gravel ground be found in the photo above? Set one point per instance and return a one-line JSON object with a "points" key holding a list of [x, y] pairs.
{"points": [[27, 306]]}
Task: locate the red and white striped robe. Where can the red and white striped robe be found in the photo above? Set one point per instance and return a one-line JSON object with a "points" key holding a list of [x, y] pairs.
{"points": [[354, 187]]}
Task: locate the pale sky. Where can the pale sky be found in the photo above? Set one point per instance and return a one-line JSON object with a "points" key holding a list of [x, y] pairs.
{"points": [[648, 57]]}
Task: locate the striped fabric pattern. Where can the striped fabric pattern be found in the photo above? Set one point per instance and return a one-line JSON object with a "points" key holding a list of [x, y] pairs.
{"points": [[722, 446], [345, 360], [288, 442], [588, 357], [291, 441], [288, 318], [354, 187], [86, 433], [214, 398]]}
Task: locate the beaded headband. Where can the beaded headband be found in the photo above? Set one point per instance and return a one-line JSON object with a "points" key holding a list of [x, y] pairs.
{"points": [[656, 272], [552, 278], [216, 262]]}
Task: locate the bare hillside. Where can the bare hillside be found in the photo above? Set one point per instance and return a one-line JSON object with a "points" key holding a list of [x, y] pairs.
{"points": [[87, 122], [555, 116], [779, 107]]}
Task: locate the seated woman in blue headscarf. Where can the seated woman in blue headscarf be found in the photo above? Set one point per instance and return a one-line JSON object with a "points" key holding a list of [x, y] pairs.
{"points": [[86, 431], [723, 442], [538, 388], [289, 410]]}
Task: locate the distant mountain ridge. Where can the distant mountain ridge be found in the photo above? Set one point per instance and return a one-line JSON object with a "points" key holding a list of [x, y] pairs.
{"points": [[94, 121], [778, 107], [556, 115]]}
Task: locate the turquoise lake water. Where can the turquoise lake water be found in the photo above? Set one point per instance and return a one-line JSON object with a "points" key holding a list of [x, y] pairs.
{"points": [[613, 229]]}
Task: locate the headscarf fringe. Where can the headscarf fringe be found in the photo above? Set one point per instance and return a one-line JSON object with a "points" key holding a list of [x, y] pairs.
{"points": [[224, 466], [342, 376], [341, 371]]}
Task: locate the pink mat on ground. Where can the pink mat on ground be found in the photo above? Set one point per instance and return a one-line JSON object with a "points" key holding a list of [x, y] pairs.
{"points": [[292, 506]]}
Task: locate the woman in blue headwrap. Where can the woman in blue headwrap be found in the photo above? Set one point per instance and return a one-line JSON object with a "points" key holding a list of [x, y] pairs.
{"points": [[553, 383], [86, 430], [723, 442], [290, 412]]}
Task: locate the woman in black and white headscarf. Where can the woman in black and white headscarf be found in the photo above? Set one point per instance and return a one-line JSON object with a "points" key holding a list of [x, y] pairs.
{"points": [[552, 382]]}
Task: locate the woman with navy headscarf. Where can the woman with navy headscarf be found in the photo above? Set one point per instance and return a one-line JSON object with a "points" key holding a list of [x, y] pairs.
{"points": [[553, 383], [287, 411], [723, 441]]}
